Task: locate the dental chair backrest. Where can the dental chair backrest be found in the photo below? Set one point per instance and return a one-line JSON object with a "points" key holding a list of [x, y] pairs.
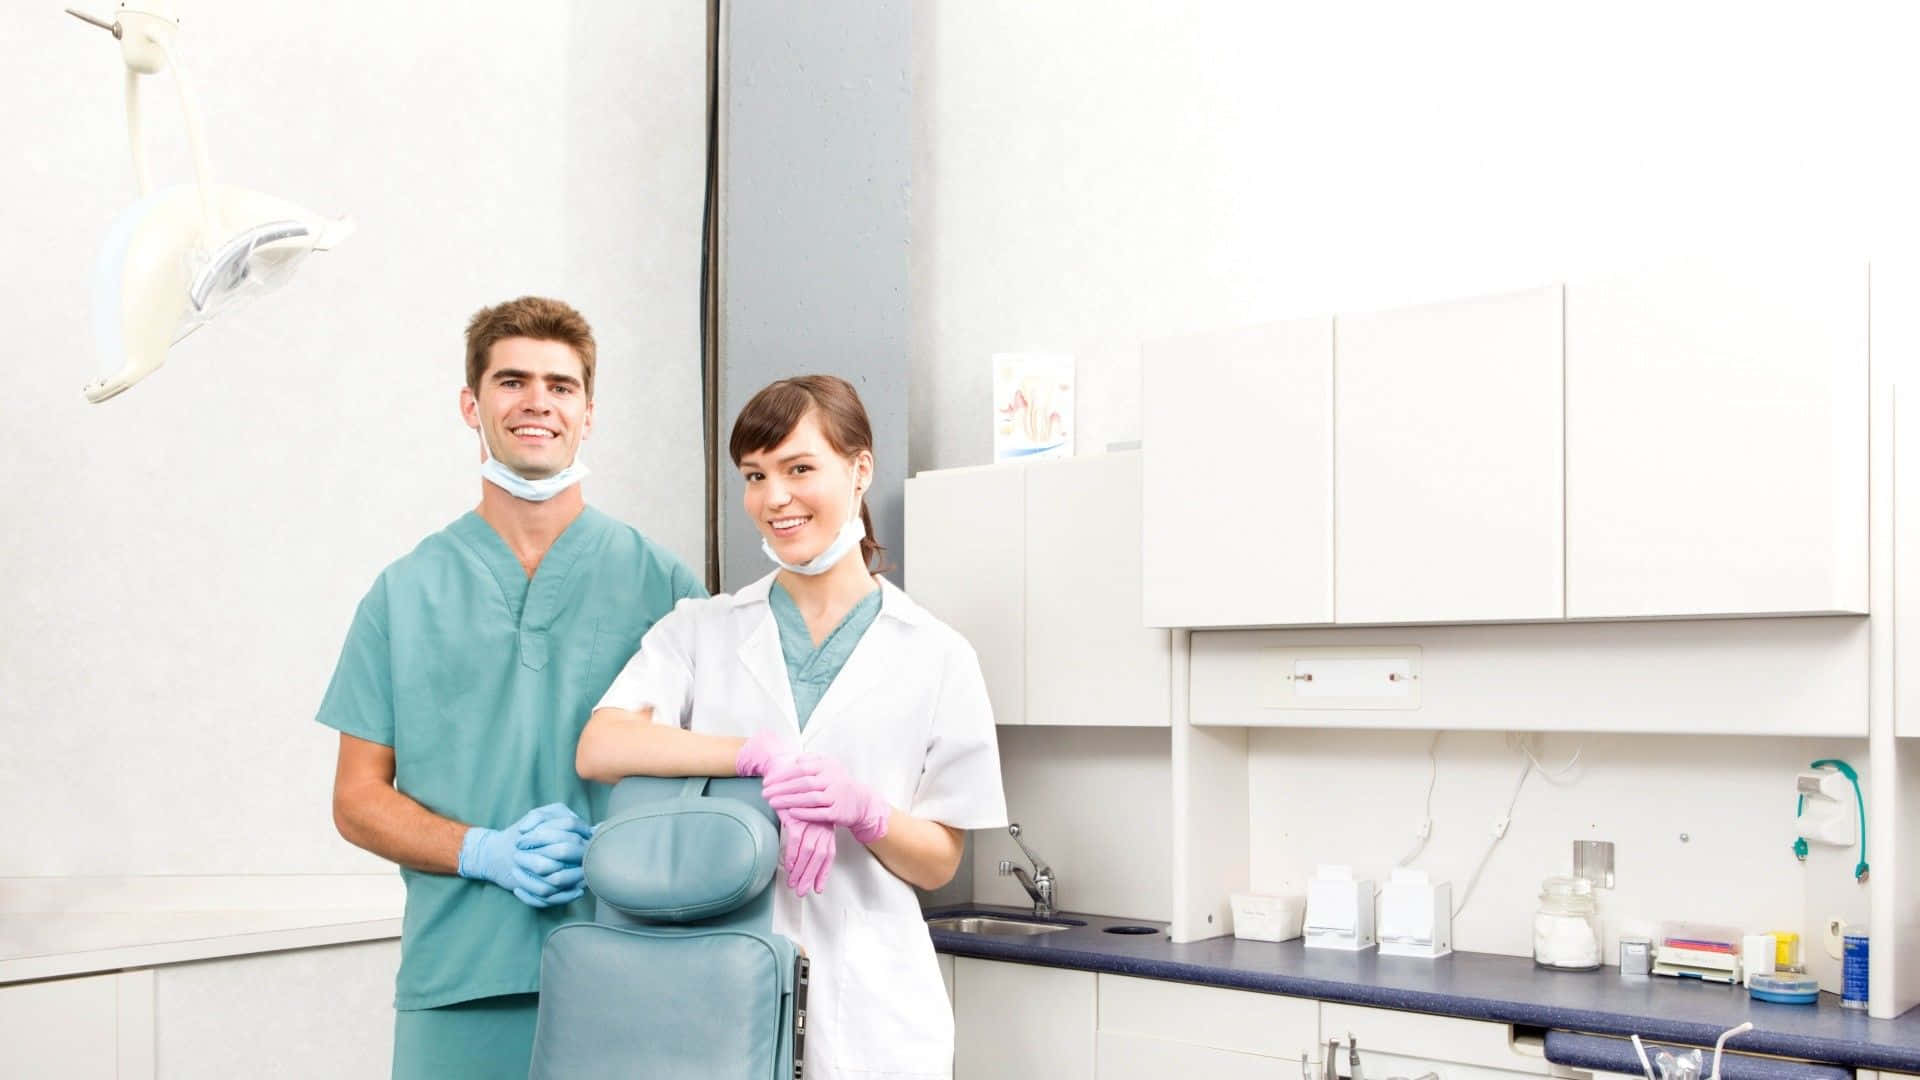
{"points": [[680, 973]]}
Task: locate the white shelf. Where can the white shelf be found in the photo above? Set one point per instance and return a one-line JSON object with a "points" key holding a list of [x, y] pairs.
{"points": [[43, 945]]}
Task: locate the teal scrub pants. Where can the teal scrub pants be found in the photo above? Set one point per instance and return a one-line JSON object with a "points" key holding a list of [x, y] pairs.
{"points": [[484, 1039]]}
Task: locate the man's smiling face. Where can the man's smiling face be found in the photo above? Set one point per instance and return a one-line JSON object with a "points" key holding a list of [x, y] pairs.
{"points": [[532, 405]]}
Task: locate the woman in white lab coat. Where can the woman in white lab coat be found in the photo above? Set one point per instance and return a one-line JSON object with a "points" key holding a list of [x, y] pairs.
{"points": [[867, 716]]}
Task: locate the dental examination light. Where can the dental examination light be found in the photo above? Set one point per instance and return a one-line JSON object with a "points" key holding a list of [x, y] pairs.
{"points": [[182, 255]]}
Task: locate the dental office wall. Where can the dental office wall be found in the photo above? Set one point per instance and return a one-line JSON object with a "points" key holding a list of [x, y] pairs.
{"points": [[1089, 176], [183, 561]]}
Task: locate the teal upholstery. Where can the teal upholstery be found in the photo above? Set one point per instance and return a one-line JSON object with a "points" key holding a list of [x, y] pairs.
{"points": [[680, 974]]}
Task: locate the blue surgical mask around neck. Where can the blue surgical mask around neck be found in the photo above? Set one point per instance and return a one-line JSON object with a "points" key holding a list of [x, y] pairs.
{"points": [[492, 471]]}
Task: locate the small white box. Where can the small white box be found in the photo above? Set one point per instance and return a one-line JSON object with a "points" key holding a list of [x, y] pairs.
{"points": [[1416, 916], [1757, 956], [1258, 917], [1339, 910]]}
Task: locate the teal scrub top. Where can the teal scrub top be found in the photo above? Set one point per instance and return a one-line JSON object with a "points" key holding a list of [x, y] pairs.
{"points": [[809, 670], [481, 680]]}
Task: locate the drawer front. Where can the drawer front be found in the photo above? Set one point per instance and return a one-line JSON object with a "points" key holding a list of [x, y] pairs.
{"points": [[1407, 1039], [1268, 1025], [1135, 1057], [1380, 1065]]}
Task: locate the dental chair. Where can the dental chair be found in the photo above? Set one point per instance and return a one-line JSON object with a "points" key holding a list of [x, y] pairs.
{"points": [[680, 974]]}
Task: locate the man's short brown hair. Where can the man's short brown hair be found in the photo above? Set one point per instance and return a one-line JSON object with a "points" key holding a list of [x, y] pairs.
{"points": [[534, 317]]}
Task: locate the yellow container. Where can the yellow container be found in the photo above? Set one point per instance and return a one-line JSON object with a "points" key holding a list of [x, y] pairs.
{"points": [[1786, 950]]}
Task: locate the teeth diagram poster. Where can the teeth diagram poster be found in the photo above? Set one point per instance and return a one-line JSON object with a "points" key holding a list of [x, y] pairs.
{"points": [[1032, 406]]}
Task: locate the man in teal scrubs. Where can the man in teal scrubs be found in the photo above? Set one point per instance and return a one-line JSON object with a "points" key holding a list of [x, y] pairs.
{"points": [[467, 675]]}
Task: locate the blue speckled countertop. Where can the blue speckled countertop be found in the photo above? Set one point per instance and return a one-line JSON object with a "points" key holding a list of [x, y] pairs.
{"points": [[1479, 986]]}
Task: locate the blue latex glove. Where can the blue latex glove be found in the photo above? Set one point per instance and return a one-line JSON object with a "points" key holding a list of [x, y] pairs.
{"points": [[537, 858]]}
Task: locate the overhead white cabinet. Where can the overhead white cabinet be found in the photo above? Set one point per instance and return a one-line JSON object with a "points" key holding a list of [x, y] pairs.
{"points": [[1089, 660], [1051, 602], [1022, 1022], [1447, 462], [1237, 525], [966, 562], [1717, 440], [1684, 441]]}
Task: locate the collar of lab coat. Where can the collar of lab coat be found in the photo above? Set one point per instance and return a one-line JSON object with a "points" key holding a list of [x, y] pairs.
{"points": [[894, 603], [760, 653]]}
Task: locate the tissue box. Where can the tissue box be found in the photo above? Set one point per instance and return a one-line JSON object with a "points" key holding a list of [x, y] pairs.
{"points": [[1258, 917], [1339, 910]]}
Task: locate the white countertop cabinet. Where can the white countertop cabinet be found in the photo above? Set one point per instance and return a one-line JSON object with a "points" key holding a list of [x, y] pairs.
{"points": [[1396, 1043], [308, 1012], [1237, 430], [1446, 466], [1717, 440], [1022, 1022], [1149, 1030], [1026, 1021], [71, 1027]]}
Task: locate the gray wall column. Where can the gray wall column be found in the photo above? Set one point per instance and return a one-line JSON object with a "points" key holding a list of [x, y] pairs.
{"points": [[814, 167]]}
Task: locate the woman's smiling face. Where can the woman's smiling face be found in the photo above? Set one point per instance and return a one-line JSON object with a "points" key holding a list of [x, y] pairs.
{"points": [[802, 491]]}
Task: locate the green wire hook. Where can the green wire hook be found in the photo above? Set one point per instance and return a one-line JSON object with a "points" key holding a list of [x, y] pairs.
{"points": [[1860, 804]]}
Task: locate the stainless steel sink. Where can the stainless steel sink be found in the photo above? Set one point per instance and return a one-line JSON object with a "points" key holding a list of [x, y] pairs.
{"points": [[994, 926]]}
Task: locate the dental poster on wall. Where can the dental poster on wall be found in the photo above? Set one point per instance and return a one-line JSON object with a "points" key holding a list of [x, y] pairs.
{"points": [[1032, 406]]}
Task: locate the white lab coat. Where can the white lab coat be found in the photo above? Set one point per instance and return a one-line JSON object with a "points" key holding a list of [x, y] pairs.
{"points": [[908, 716]]}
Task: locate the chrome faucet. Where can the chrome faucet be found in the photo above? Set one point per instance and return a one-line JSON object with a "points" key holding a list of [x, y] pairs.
{"points": [[1040, 884]]}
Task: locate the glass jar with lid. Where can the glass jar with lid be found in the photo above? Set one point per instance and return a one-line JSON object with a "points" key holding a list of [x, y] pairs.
{"points": [[1566, 928]]}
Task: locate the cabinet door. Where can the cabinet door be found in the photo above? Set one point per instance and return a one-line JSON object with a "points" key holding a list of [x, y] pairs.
{"points": [[319, 1012], [1395, 1043], [1717, 441], [1089, 660], [1133, 1057], [1019, 1022], [1237, 496], [1447, 462], [966, 544], [1268, 1026], [66, 1028]]}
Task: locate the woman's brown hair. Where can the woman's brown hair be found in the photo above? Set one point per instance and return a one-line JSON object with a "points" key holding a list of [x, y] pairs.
{"points": [[777, 409]]}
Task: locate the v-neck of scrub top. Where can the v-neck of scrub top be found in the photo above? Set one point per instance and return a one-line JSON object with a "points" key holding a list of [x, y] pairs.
{"points": [[532, 602], [811, 670]]}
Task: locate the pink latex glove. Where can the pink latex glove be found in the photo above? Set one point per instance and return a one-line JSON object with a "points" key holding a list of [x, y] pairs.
{"points": [[761, 750], [806, 847], [816, 788], [806, 850]]}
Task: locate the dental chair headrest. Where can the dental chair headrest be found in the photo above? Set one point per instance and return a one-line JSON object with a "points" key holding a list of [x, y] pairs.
{"points": [[673, 855]]}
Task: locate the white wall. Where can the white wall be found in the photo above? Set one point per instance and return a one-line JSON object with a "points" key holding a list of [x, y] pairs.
{"points": [[1088, 176], [182, 562], [1325, 796], [1097, 805]]}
